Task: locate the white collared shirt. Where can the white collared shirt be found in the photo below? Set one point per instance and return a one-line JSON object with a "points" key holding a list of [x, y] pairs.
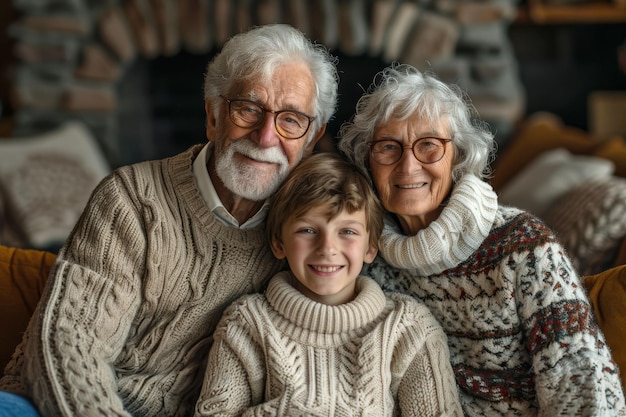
{"points": [[209, 195]]}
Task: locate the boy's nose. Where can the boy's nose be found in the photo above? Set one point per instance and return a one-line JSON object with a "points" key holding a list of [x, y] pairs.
{"points": [[327, 246]]}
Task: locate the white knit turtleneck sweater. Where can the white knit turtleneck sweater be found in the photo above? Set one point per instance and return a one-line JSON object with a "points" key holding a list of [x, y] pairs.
{"points": [[284, 354], [523, 340]]}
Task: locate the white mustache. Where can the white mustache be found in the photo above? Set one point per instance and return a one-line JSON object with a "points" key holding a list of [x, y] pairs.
{"points": [[248, 148]]}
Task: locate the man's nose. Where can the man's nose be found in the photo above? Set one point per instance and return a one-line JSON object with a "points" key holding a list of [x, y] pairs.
{"points": [[266, 135]]}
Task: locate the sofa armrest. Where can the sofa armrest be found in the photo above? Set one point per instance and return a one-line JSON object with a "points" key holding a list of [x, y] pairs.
{"points": [[607, 294], [23, 274]]}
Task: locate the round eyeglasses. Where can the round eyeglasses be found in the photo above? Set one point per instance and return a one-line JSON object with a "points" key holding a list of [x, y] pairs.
{"points": [[427, 150], [290, 124]]}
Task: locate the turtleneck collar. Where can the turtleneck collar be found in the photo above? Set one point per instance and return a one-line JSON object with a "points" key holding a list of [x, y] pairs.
{"points": [[316, 317], [461, 228]]}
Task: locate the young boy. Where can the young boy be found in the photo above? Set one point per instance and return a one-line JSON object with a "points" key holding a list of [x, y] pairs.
{"points": [[322, 340]]}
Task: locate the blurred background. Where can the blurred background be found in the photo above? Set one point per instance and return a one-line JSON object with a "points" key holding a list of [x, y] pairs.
{"points": [[131, 71]]}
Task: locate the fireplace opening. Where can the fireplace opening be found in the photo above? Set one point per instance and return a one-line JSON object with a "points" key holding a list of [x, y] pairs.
{"points": [[169, 93]]}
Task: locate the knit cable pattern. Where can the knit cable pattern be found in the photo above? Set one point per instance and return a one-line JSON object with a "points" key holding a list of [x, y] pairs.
{"points": [[124, 326], [374, 356]]}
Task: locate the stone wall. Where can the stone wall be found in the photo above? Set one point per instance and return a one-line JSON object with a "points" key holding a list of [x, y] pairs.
{"points": [[74, 56]]}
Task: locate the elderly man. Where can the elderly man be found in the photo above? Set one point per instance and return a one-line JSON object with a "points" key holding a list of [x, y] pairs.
{"points": [[163, 247]]}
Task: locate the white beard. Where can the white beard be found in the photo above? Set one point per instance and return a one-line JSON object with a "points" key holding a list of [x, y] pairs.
{"points": [[244, 180]]}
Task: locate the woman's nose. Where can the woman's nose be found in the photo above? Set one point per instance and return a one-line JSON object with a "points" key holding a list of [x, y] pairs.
{"points": [[408, 159]]}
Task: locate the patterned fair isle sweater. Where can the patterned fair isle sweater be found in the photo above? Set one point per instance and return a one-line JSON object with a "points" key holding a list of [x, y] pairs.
{"points": [[523, 339], [125, 323], [284, 354]]}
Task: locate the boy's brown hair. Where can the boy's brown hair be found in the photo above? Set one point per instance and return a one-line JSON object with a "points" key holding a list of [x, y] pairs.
{"points": [[324, 179]]}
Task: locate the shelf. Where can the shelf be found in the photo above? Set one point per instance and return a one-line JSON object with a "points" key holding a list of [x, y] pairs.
{"points": [[537, 12]]}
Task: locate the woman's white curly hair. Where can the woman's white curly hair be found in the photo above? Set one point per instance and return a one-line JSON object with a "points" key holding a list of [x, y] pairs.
{"points": [[399, 92]]}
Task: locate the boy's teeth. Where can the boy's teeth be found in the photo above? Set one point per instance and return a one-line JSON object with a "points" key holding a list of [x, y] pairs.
{"points": [[326, 268]]}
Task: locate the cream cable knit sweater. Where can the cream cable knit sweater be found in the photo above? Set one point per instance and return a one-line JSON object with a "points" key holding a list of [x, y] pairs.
{"points": [[284, 354], [125, 324], [522, 336]]}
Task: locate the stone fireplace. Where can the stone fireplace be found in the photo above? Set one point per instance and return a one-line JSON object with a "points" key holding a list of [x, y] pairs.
{"points": [[120, 66]]}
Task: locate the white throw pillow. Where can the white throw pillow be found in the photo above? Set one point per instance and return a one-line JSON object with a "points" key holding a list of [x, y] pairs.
{"points": [[550, 176], [47, 179]]}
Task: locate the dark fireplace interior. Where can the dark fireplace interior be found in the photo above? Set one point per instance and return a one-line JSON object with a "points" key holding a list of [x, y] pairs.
{"points": [[162, 107]]}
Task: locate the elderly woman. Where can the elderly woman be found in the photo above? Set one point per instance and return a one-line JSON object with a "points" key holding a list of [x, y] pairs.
{"points": [[522, 337]]}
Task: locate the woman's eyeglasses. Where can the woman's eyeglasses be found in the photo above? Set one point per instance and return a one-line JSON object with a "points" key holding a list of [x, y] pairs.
{"points": [[427, 150]]}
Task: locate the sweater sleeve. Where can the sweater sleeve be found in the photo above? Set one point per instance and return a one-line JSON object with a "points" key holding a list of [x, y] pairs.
{"points": [[422, 361], [90, 300], [234, 376], [573, 368]]}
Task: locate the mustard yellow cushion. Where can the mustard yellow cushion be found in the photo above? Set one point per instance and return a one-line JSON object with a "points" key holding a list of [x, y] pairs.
{"points": [[607, 293], [23, 274], [614, 149]]}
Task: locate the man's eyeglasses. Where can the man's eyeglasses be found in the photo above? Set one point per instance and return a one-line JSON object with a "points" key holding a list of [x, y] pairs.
{"points": [[427, 150], [290, 124]]}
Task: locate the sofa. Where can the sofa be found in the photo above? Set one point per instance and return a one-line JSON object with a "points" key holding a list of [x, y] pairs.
{"points": [[575, 182]]}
